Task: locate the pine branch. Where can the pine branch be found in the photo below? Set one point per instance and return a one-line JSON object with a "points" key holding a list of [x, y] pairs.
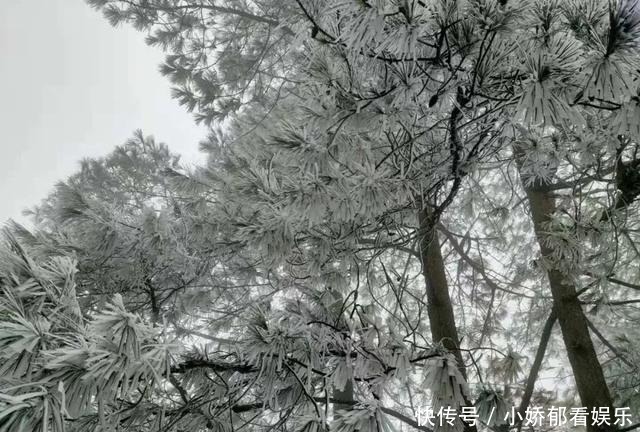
{"points": [[212, 364]]}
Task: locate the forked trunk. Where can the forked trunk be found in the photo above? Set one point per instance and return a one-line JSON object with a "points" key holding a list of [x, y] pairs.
{"points": [[587, 371]]}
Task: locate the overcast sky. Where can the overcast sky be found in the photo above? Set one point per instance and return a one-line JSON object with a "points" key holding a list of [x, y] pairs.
{"points": [[72, 86]]}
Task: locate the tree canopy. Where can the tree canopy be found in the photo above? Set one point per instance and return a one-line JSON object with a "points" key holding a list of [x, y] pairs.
{"points": [[402, 199]]}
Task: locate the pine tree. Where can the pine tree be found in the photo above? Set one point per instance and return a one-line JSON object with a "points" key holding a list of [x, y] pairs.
{"points": [[357, 235]]}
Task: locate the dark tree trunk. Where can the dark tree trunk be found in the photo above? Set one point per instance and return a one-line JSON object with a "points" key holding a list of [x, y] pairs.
{"points": [[344, 399], [537, 364], [587, 371], [440, 310], [441, 317]]}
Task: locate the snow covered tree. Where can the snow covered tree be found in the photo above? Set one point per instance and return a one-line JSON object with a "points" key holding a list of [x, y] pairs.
{"points": [[356, 247]]}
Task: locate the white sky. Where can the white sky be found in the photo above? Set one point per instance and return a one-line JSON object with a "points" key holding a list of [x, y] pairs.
{"points": [[72, 86]]}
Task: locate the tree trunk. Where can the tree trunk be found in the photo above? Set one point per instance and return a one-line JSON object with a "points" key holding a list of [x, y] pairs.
{"points": [[440, 310], [587, 371], [537, 364], [344, 399]]}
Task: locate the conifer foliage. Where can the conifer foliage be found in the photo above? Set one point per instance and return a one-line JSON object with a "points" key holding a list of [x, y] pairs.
{"points": [[402, 198]]}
